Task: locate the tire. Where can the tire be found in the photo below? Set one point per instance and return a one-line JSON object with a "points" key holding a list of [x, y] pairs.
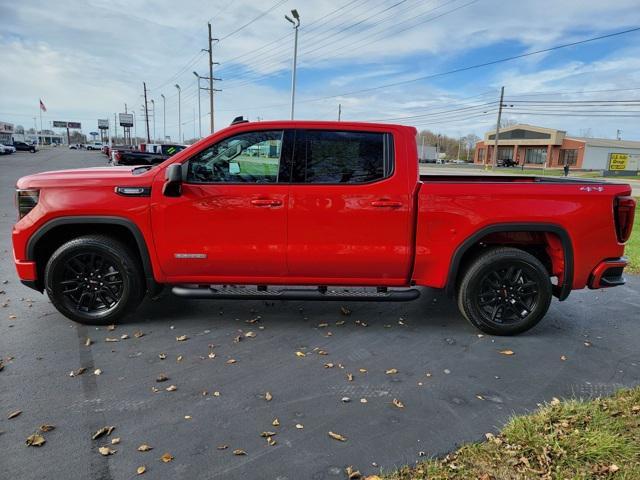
{"points": [[504, 291], [94, 279], [33, 150]]}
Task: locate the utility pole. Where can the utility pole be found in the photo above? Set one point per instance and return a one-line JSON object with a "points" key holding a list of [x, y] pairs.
{"points": [[199, 114], [494, 160], [179, 116], [164, 118], [295, 24], [210, 77], [339, 111], [619, 134], [146, 112]]}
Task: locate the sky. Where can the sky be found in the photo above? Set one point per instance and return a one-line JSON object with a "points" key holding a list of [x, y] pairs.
{"points": [[398, 61]]}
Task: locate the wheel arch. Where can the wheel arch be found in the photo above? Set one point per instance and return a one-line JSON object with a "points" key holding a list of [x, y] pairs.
{"points": [[462, 252], [59, 230]]}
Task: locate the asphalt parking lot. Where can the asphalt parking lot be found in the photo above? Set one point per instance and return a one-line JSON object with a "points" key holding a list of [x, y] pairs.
{"points": [[453, 383]]}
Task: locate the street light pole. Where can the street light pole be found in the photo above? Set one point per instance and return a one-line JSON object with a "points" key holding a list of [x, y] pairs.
{"points": [[179, 116], [164, 117], [295, 24], [153, 105], [199, 114]]}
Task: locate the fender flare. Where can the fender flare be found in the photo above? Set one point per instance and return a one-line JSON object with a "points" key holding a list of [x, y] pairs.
{"points": [[102, 220], [562, 291]]}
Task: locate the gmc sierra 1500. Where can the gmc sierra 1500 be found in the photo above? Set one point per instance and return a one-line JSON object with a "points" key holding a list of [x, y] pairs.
{"points": [[317, 205]]}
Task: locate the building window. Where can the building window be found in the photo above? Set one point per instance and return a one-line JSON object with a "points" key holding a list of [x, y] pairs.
{"points": [[505, 155], [536, 155], [481, 153], [568, 156]]}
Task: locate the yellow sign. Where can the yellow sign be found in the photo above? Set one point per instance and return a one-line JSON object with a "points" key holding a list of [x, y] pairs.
{"points": [[618, 161]]}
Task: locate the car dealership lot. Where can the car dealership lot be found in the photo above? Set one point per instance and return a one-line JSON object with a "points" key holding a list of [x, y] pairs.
{"points": [[454, 384]]}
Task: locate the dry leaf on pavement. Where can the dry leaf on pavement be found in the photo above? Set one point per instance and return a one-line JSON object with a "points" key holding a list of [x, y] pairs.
{"points": [[35, 440], [337, 436], [102, 431], [267, 434], [299, 426], [138, 334], [350, 377], [166, 458], [222, 447], [111, 339], [144, 448], [106, 451], [162, 377], [141, 469], [329, 365], [352, 473], [276, 422], [239, 451], [398, 403], [46, 427], [111, 328], [182, 338], [345, 311], [88, 342], [300, 354], [115, 441], [171, 388], [268, 397], [162, 356], [75, 373], [14, 414], [391, 371], [506, 352]]}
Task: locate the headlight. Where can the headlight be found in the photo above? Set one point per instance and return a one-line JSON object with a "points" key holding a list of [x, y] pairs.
{"points": [[26, 200]]}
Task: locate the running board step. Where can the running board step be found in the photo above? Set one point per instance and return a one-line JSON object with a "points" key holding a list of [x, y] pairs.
{"points": [[246, 293]]}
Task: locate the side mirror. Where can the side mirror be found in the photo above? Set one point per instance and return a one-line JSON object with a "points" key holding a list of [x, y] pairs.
{"points": [[173, 181]]}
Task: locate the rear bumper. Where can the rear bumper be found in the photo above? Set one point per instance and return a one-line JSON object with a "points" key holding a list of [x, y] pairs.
{"points": [[608, 273]]}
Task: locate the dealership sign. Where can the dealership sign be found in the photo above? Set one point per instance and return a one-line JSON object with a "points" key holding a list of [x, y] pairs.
{"points": [[623, 161], [59, 124], [126, 119], [103, 124]]}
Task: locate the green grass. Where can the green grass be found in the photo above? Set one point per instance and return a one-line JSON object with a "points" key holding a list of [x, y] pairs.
{"points": [[563, 440], [632, 249]]}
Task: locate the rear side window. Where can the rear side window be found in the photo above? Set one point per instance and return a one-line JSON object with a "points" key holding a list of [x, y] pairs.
{"points": [[337, 157]]}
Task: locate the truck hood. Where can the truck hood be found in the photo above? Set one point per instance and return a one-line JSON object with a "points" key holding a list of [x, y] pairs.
{"points": [[96, 176]]}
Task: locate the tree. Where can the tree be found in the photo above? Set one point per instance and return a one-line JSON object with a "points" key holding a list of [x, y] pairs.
{"points": [[507, 122]]}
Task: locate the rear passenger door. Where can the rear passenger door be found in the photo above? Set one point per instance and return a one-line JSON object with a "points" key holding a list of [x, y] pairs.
{"points": [[349, 209]]}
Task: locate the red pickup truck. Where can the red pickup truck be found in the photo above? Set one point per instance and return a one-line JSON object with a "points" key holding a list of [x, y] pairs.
{"points": [[301, 210]]}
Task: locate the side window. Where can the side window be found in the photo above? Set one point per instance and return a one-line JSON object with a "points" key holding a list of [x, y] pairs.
{"points": [[335, 157], [252, 157]]}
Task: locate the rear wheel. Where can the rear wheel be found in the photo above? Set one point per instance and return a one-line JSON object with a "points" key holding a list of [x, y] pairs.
{"points": [[505, 291], [94, 279]]}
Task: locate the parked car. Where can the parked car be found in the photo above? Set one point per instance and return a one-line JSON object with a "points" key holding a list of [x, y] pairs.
{"points": [[159, 155], [75, 146], [25, 147], [94, 146], [316, 203], [2, 150], [8, 149]]}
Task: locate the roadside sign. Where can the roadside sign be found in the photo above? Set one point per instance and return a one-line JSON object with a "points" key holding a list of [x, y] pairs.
{"points": [[623, 161], [74, 125], [103, 124], [126, 119], [58, 124]]}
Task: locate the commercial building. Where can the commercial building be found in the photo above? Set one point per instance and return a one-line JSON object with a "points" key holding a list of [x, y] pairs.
{"points": [[6, 133], [550, 148]]}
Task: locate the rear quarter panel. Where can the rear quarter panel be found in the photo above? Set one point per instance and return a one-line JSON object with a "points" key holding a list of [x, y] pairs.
{"points": [[451, 212]]}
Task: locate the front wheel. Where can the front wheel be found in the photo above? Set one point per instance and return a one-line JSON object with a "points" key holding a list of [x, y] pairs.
{"points": [[505, 291], [94, 279]]}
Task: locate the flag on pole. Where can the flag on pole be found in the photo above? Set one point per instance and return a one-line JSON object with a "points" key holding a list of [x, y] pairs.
{"points": [[42, 107]]}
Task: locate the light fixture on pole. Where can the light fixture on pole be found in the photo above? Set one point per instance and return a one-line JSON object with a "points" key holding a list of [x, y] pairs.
{"points": [[164, 117], [179, 116], [296, 24], [199, 115]]}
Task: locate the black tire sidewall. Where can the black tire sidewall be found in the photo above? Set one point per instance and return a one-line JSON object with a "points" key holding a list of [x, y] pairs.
{"points": [[116, 252], [491, 260]]}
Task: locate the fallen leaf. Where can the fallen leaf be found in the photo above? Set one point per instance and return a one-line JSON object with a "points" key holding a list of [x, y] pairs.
{"points": [[166, 458], [376, 477], [398, 403], [276, 422], [340, 323], [563, 358], [237, 339], [97, 371], [124, 336], [46, 428], [323, 325], [14, 414], [222, 447], [179, 359], [267, 434], [362, 370], [138, 334], [144, 448], [299, 426], [216, 393], [613, 468], [75, 373], [239, 451], [102, 431], [268, 397], [182, 338], [88, 342], [271, 442], [106, 451], [352, 474], [188, 417], [111, 328], [250, 334], [110, 339], [350, 377], [12, 317], [162, 356], [141, 469], [322, 352], [231, 361], [555, 401], [391, 371], [300, 354], [345, 311], [162, 378], [35, 440], [337, 436], [363, 400], [329, 365], [171, 388], [212, 355], [115, 441], [506, 352]]}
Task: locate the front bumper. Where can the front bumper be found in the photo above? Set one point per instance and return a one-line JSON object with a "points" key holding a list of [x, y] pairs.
{"points": [[608, 273]]}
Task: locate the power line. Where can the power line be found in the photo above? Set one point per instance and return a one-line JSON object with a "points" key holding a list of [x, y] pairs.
{"points": [[262, 14]]}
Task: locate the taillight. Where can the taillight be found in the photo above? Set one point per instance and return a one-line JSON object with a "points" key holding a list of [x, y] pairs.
{"points": [[624, 211], [26, 200]]}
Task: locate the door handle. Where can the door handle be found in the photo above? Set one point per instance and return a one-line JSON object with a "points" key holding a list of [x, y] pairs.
{"points": [[266, 202], [386, 203]]}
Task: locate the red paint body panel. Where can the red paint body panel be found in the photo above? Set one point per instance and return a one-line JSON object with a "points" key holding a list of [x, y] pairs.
{"points": [[394, 232]]}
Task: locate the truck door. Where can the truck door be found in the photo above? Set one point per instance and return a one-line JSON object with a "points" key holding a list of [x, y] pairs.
{"points": [[230, 220], [349, 208]]}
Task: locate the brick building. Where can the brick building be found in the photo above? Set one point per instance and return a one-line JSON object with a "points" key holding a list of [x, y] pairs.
{"points": [[551, 148]]}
